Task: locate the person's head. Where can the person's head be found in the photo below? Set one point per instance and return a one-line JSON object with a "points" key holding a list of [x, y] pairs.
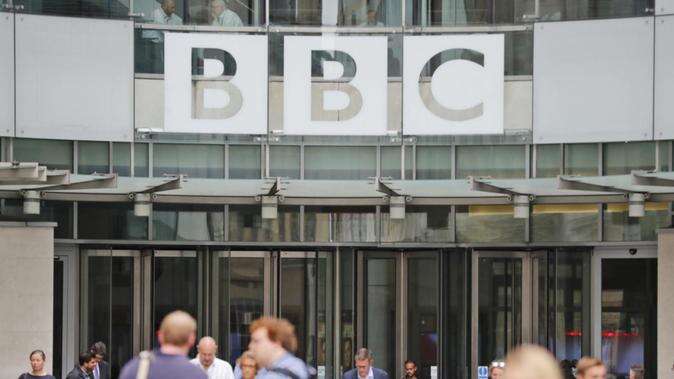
{"points": [[217, 7], [531, 362], [169, 7], [37, 358], [410, 369], [248, 365], [496, 369], [87, 361], [270, 338], [364, 361], [178, 329], [636, 372], [207, 349], [590, 368], [99, 350], [371, 16]]}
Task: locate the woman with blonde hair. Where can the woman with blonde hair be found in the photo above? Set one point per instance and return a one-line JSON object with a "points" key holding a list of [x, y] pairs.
{"points": [[246, 366], [531, 362], [590, 368]]}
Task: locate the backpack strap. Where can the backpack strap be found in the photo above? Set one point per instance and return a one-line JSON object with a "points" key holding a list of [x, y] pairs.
{"points": [[144, 360], [284, 372]]}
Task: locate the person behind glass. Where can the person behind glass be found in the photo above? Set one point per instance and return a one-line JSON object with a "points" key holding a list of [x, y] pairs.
{"points": [[164, 15], [364, 367], [222, 16], [372, 19], [176, 336], [636, 372], [102, 369], [208, 361], [496, 369], [246, 367], [37, 359], [85, 368], [590, 368], [531, 362], [272, 344], [410, 370]]}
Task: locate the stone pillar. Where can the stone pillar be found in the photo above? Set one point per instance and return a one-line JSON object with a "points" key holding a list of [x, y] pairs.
{"points": [[26, 294], [665, 303]]}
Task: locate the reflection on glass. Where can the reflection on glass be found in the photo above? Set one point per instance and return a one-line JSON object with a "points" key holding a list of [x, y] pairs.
{"points": [[629, 315], [565, 222], [622, 158], [60, 212], [201, 12], [422, 311], [495, 161], [247, 225], [121, 158], [93, 157], [298, 303], [380, 311], [488, 223], [618, 226], [390, 162], [347, 265], [195, 161], [376, 13], [56, 155], [175, 284], [581, 159], [340, 224], [325, 312], [421, 224], [58, 318], [141, 160], [244, 162], [434, 162], [242, 284], [499, 307], [99, 9], [340, 162], [185, 222], [570, 297], [455, 312], [109, 221], [284, 161], [548, 161], [664, 153]]}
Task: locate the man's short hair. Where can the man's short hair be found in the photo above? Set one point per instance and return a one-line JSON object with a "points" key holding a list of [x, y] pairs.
{"points": [[98, 348], [177, 327], [278, 330], [586, 363], [363, 354], [86, 357]]}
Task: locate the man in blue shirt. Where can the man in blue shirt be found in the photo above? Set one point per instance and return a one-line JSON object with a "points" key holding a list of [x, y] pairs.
{"points": [[272, 343], [364, 368], [176, 336]]}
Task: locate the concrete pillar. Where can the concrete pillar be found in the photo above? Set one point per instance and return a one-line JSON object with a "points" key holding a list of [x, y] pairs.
{"points": [[26, 294], [665, 303]]}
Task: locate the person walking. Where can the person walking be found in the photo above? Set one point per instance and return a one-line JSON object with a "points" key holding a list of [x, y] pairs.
{"points": [[246, 367], [208, 361], [531, 362], [102, 369], [364, 367], [272, 344], [85, 369], [590, 368], [37, 359], [176, 335]]}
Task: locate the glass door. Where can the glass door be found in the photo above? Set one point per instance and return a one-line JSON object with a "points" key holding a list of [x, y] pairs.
{"points": [[625, 315]]}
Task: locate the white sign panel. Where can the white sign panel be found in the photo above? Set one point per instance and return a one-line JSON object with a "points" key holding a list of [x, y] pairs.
{"points": [[228, 100], [453, 84], [344, 92]]}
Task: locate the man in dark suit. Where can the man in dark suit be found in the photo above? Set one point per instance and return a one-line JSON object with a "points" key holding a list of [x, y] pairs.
{"points": [[364, 369], [84, 370], [102, 369]]}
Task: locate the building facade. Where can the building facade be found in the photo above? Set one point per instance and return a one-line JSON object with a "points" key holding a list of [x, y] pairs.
{"points": [[325, 161]]}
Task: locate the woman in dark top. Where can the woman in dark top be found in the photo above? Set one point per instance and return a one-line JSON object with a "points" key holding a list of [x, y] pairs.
{"points": [[37, 359]]}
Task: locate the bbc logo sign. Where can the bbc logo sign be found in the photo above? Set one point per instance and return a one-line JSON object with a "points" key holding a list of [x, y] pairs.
{"points": [[334, 85]]}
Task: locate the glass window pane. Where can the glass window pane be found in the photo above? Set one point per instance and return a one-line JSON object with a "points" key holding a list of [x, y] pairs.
{"points": [[244, 162], [488, 223], [284, 161], [98, 293], [581, 159], [519, 53], [247, 225], [570, 298], [409, 162], [141, 160], [340, 162], [500, 161], [434, 162], [622, 158], [201, 12], [347, 263], [188, 222], [565, 222], [109, 221], [340, 224], [548, 161], [297, 294], [459, 12], [421, 224], [618, 226], [148, 51], [380, 304], [342, 12], [60, 212], [456, 300], [93, 157], [121, 158], [391, 159], [663, 155], [556, 10], [56, 155], [422, 309], [98, 9], [195, 161]]}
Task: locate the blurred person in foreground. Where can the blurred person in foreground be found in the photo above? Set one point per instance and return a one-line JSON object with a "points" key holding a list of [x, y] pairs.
{"points": [[272, 344], [497, 369], [531, 362]]}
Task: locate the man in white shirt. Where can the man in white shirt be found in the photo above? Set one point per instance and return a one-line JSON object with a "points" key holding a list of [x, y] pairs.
{"points": [[222, 16], [206, 359], [164, 15]]}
